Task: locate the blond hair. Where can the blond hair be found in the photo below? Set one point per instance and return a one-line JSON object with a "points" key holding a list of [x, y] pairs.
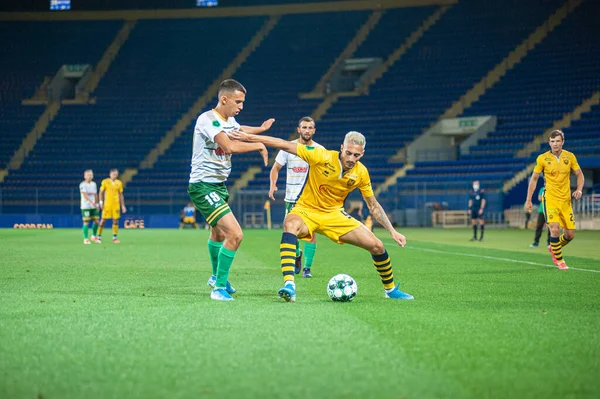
{"points": [[355, 138]]}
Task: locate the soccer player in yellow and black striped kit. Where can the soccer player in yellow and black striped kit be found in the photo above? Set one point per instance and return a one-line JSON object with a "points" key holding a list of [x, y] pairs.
{"points": [[557, 165], [319, 208]]}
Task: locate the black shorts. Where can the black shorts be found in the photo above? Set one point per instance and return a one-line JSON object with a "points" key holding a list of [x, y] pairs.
{"points": [[475, 214]]}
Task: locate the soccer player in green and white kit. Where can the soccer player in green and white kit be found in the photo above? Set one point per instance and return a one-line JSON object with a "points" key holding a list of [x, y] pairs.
{"points": [[297, 170], [211, 165], [89, 205]]}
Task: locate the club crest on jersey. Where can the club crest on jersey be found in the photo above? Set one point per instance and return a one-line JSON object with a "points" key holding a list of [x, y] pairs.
{"points": [[350, 183], [566, 161], [216, 123]]}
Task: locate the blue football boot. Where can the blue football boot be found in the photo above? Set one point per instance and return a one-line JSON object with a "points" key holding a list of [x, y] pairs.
{"points": [[288, 293]]}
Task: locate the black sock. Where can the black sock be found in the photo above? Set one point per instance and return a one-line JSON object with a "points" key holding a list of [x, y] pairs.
{"points": [[482, 230], [475, 231]]}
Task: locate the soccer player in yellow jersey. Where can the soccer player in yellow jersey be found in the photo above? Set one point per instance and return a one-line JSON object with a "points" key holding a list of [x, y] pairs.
{"points": [[112, 203], [331, 177], [557, 165]]}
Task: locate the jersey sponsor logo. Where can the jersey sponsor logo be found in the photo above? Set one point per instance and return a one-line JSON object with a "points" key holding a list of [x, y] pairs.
{"points": [[218, 150], [300, 169], [216, 123], [329, 166], [326, 173]]}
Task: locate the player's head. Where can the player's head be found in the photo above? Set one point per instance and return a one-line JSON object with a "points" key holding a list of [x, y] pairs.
{"points": [[353, 149], [231, 97], [556, 140], [476, 185], [88, 175], [114, 173], [189, 205], [306, 129]]}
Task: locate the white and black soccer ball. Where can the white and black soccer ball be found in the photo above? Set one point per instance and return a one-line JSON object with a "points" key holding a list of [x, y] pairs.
{"points": [[342, 288]]}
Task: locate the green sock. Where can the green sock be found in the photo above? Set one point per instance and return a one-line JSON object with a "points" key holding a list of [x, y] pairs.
{"points": [[95, 229], [86, 228], [309, 254], [297, 248], [225, 260], [213, 250]]}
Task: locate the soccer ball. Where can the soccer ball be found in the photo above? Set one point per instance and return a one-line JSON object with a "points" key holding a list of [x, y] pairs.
{"points": [[342, 288]]}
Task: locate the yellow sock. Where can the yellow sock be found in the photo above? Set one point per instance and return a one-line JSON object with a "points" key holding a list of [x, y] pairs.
{"points": [[556, 248], [563, 241], [115, 227], [100, 228], [287, 252], [383, 264]]}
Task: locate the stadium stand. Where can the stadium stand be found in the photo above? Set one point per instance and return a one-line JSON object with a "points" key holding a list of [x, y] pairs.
{"points": [[273, 89], [536, 92], [549, 82], [147, 88], [37, 50], [166, 64]]}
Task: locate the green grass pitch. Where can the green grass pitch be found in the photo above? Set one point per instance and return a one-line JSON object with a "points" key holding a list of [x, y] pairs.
{"points": [[490, 320]]}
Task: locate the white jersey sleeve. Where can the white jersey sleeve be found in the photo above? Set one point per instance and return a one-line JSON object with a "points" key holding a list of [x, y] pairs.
{"points": [[282, 157]]}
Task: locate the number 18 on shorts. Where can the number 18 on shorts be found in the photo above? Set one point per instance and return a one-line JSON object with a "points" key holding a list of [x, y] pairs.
{"points": [[210, 199]]}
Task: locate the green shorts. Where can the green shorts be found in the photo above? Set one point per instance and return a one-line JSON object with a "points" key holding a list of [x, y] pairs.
{"points": [[288, 207], [90, 214], [210, 199]]}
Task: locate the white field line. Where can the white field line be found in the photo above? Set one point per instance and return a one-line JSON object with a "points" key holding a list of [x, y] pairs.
{"points": [[497, 258]]}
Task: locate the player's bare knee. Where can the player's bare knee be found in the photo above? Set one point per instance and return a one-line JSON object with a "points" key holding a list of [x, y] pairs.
{"points": [[569, 234], [377, 247], [292, 225], [235, 237]]}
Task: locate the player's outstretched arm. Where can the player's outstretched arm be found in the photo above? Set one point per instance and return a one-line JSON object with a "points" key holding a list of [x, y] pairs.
{"points": [[379, 214], [287, 146], [238, 147], [266, 125], [530, 189]]}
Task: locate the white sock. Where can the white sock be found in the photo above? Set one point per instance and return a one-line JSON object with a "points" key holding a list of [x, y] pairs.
{"points": [[291, 283]]}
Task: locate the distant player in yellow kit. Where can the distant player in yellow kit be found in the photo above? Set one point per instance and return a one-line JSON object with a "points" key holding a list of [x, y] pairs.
{"points": [[112, 203], [557, 165]]}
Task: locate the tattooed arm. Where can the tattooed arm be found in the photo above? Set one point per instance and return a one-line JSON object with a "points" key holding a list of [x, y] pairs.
{"points": [[379, 214]]}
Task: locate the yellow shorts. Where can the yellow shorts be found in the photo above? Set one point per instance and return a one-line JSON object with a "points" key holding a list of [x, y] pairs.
{"points": [[111, 212], [331, 224], [189, 220], [559, 212]]}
